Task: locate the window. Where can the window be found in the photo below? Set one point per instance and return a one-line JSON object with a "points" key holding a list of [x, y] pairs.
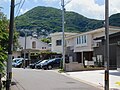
{"points": [[58, 42], [33, 44], [43, 47], [82, 39], [85, 41], [77, 40]]}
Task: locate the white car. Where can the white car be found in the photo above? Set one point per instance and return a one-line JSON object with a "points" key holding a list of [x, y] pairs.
{"points": [[17, 61]]}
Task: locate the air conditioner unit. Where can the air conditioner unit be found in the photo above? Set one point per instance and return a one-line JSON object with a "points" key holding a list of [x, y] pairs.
{"points": [[95, 45]]}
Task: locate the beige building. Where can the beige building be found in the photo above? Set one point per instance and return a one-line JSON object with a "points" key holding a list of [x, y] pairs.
{"points": [[84, 43], [79, 46], [56, 41]]}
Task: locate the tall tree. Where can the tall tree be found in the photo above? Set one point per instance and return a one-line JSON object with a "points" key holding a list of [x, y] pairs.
{"points": [[4, 37], [3, 40]]}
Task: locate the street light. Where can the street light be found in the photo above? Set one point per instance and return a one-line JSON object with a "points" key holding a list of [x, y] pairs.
{"points": [[106, 45]]}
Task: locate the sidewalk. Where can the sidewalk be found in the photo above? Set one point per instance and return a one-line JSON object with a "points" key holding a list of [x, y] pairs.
{"points": [[96, 78]]}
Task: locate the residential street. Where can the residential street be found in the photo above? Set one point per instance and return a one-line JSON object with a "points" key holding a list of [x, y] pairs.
{"points": [[32, 79]]}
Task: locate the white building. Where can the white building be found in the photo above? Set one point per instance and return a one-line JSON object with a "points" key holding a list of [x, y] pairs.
{"points": [[56, 41], [33, 43], [33, 46]]}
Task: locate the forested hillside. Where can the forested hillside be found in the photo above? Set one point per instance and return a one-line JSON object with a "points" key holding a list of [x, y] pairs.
{"points": [[49, 19]]}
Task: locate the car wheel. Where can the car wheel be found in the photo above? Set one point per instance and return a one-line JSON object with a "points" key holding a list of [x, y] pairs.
{"points": [[49, 67]]}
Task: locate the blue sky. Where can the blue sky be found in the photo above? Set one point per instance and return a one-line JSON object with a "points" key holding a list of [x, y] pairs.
{"points": [[89, 8], [100, 2]]}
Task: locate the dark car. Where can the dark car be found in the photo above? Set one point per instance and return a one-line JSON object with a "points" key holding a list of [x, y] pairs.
{"points": [[53, 63], [32, 65]]}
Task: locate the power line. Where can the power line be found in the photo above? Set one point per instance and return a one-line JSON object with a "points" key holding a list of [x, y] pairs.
{"points": [[18, 6], [21, 7]]}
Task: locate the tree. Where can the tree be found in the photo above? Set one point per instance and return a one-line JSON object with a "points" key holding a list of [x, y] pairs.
{"points": [[46, 40], [4, 37], [3, 40]]}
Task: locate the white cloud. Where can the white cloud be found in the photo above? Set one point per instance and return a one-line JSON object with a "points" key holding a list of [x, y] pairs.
{"points": [[114, 6], [22, 11], [90, 9], [87, 8]]}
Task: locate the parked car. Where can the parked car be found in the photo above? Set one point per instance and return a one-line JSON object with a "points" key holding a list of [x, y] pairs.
{"points": [[38, 66], [32, 65], [53, 63], [17, 62]]}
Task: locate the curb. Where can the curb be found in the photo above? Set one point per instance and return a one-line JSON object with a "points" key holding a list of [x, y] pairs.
{"points": [[68, 75]]}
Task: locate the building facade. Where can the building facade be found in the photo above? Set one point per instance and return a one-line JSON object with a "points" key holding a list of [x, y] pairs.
{"points": [[114, 50], [79, 47], [33, 47]]}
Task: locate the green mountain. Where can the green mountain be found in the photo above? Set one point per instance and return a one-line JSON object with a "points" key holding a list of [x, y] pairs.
{"points": [[115, 20], [50, 20]]}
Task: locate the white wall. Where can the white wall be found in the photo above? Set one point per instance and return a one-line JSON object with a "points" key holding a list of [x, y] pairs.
{"points": [[55, 48], [83, 47], [58, 36], [90, 36], [29, 41]]}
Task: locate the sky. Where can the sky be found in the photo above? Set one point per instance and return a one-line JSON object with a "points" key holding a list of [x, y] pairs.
{"points": [[89, 8]]}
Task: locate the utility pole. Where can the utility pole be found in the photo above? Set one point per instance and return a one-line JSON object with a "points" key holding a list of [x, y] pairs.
{"points": [[25, 49], [10, 47], [106, 45], [63, 36]]}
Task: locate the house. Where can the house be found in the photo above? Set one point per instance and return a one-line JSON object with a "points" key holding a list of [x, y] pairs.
{"points": [[30, 46], [114, 50], [56, 41], [80, 46]]}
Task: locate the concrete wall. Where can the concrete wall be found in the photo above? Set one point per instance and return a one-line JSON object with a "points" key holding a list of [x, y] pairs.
{"points": [[74, 66]]}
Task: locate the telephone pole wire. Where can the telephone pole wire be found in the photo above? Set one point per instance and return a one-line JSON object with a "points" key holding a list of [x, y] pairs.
{"points": [[10, 46]]}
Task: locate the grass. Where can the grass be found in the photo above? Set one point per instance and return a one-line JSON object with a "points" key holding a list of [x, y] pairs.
{"points": [[61, 71]]}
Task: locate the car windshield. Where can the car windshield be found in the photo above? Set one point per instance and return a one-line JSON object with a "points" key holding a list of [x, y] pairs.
{"points": [[17, 59], [44, 61], [51, 60], [38, 62]]}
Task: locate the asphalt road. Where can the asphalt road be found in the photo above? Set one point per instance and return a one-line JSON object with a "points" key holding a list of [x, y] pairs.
{"points": [[32, 79]]}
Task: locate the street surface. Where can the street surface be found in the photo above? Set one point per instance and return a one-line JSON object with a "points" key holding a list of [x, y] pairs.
{"points": [[32, 79]]}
